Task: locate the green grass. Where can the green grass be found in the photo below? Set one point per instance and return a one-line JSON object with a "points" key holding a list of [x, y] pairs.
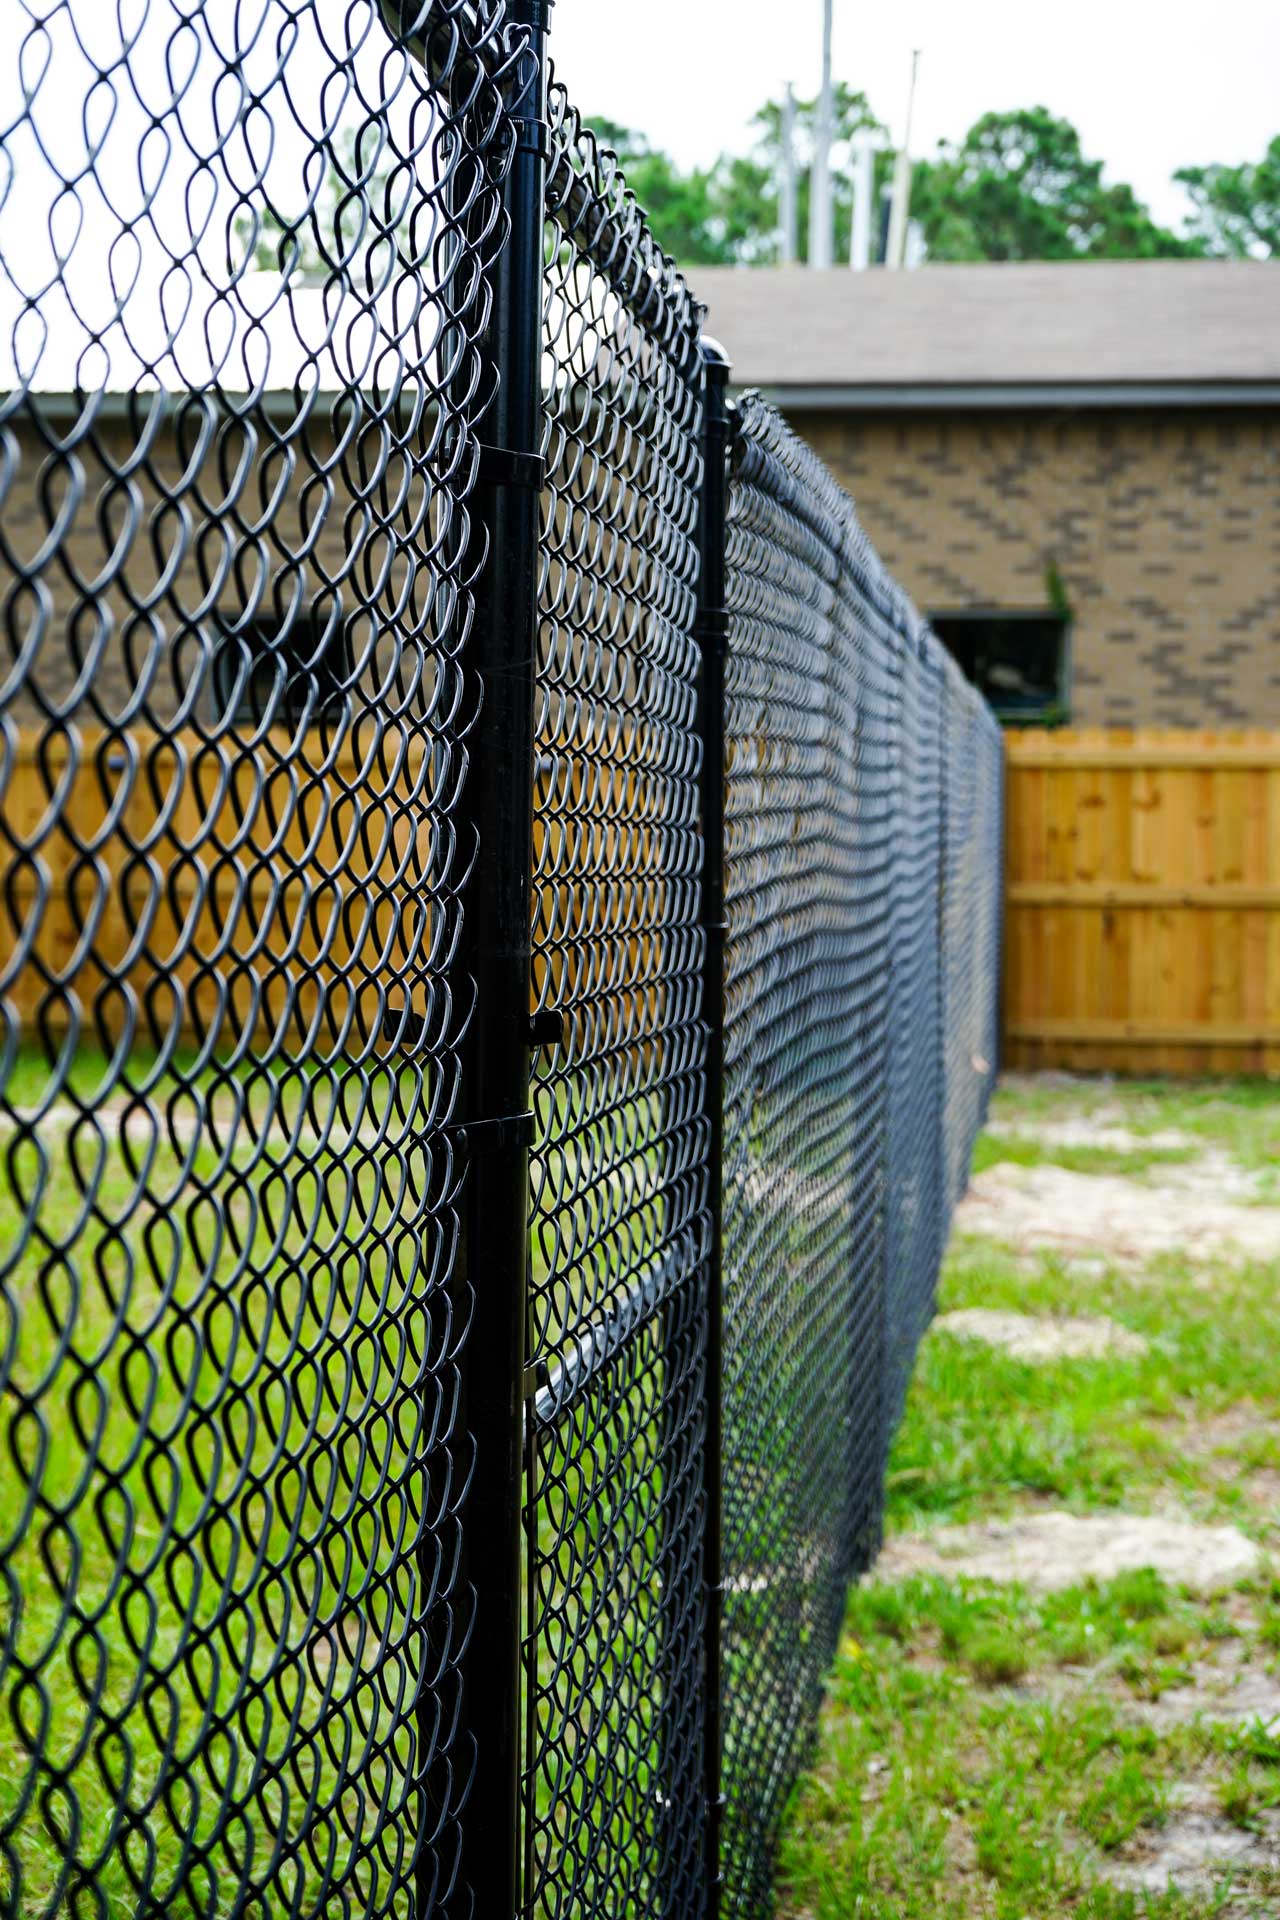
{"points": [[987, 1751], [1238, 1117], [983, 1432], [953, 1779], [976, 1755], [207, 1385], [1027, 1151]]}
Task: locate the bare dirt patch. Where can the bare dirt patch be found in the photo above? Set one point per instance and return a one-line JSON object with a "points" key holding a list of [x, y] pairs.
{"points": [[1233, 1451], [1048, 1550], [1104, 1129], [1235, 1443], [1195, 1848], [1186, 1209], [1230, 1684], [1040, 1340]]}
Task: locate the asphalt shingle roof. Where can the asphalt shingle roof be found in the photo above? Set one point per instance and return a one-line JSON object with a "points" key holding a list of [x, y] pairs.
{"points": [[1086, 323]]}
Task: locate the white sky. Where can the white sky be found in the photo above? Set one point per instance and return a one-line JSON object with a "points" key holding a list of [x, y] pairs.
{"points": [[85, 273], [1151, 84]]}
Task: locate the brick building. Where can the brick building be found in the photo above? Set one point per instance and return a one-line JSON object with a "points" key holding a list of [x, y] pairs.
{"points": [[1074, 469]]}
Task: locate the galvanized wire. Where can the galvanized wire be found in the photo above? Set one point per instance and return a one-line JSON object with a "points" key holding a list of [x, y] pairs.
{"points": [[850, 1107], [244, 258], [619, 1192]]}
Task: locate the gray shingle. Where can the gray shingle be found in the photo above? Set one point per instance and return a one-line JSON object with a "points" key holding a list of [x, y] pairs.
{"points": [[1088, 323]]}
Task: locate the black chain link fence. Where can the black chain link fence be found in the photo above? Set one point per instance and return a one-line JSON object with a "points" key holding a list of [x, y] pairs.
{"points": [[245, 258], [864, 793], [614, 1517], [440, 1421]]}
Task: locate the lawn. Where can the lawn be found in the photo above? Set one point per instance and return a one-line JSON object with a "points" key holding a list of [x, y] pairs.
{"points": [[985, 1750], [1109, 1748]]}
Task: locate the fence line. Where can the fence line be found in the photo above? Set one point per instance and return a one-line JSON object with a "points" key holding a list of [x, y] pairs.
{"points": [[862, 804], [1142, 897], [498, 917]]}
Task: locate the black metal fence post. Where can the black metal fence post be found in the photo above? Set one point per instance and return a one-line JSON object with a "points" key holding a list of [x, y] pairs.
{"points": [[494, 965], [712, 631]]}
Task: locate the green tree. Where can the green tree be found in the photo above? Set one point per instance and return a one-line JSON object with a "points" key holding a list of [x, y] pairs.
{"points": [[728, 214], [682, 207], [1236, 209], [1019, 187]]}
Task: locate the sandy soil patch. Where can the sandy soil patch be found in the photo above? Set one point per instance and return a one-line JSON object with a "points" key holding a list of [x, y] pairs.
{"points": [[1232, 1684], [1188, 1210], [1196, 1847], [1211, 1174], [1101, 1130], [1024, 1336], [1048, 1550]]}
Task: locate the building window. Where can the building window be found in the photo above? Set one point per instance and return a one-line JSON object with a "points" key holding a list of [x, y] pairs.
{"points": [[1017, 661], [263, 672]]}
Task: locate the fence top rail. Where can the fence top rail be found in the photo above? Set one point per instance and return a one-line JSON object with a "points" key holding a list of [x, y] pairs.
{"points": [[1144, 748]]}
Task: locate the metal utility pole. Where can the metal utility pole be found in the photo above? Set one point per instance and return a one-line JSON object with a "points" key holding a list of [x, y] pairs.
{"points": [[902, 181], [787, 198], [820, 235], [864, 181]]}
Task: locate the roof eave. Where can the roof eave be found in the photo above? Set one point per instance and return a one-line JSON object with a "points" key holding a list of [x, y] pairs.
{"points": [[992, 396]]}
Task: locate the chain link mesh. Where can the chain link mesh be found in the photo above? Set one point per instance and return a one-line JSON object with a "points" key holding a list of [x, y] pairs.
{"points": [[972, 896], [916, 1206], [854, 756], [619, 1222], [243, 260], [247, 323]]}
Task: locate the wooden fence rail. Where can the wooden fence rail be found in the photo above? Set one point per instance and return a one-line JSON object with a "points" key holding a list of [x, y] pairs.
{"points": [[1142, 930]]}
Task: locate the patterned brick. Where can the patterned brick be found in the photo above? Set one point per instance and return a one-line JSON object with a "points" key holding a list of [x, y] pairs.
{"points": [[1163, 527]]}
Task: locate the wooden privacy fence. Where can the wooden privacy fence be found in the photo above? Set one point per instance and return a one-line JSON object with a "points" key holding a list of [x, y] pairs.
{"points": [[1142, 929], [271, 876], [211, 873]]}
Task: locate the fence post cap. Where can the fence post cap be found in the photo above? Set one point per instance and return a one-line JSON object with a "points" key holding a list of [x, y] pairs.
{"points": [[713, 353]]}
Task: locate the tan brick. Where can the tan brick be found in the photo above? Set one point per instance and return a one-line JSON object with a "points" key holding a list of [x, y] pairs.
{"points": [[1164, 528]]}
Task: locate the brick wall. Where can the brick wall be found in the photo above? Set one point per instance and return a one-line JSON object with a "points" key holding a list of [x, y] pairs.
{"points": [[1164, 529]]}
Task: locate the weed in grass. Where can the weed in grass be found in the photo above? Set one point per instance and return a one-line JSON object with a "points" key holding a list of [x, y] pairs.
{"points": [[1076, 1644], [888, 1610], [997, 1659], [1140, 1595], [1126, 1797], [1171, 1636], [1238, 1797]]}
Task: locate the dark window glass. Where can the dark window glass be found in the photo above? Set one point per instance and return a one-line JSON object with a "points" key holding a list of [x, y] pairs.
{"points": [[284, 673], [1018, 661]]}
